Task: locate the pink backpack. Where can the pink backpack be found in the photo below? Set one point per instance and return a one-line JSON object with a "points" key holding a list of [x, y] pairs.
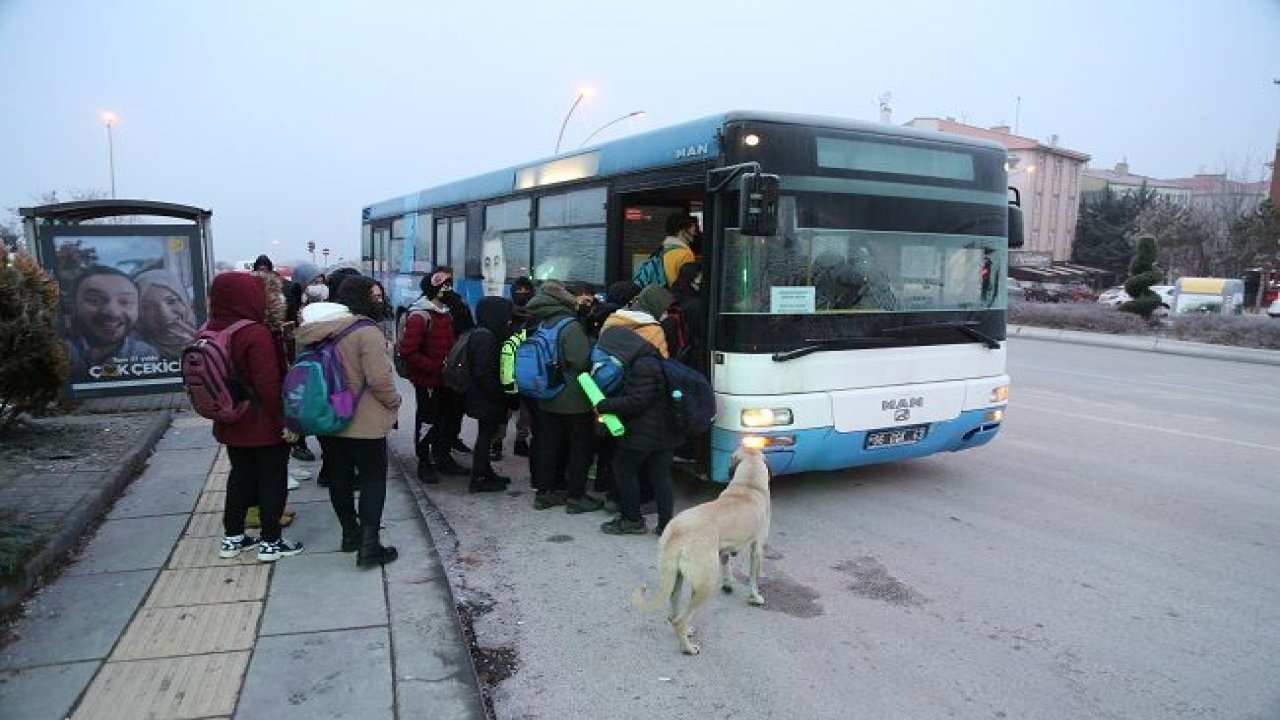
{"points": [[210, 377]]}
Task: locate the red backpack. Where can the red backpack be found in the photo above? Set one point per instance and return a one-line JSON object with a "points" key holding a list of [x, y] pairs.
{"points": [[215, 390]]}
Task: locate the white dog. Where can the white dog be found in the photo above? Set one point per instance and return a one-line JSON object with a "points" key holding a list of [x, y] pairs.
{"points": [[697, 538]]}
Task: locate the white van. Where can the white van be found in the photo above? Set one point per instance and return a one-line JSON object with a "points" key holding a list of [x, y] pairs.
{"points": [[1214, 296]]}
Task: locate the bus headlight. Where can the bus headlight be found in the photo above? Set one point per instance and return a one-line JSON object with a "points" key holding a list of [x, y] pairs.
{"points": [[1000, 394], [995, 416], [765, 417]]}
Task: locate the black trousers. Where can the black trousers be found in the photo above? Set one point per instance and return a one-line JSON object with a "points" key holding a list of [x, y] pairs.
{"points": [[448, 408], [486, 431], [563, 441], [258, 477], [629, 466], [346, 457]]}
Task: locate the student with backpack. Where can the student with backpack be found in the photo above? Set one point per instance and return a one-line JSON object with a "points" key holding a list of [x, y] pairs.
{"points": [[563, 427], [243, 357], [663, 266], [644, 452], [643, 316], [360, 446], [428, 335], [522, 324], [484, 397]]}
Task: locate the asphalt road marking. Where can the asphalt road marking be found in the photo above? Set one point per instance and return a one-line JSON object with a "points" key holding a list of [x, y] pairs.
{"points": [[1151, 428]]}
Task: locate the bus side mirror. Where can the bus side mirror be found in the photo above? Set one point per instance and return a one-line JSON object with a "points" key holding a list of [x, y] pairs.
{"points": [[1015, 226], [758, 205]]}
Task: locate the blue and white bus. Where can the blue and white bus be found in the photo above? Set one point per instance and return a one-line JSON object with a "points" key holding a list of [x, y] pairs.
{"points": [[860, 320]]}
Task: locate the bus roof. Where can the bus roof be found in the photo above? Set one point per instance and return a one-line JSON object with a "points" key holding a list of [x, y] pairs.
{"points": [[688, 142]]}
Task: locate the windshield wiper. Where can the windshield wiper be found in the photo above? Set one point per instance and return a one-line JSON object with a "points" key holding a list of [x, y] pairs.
{"points": [[967, 328], [813, 345]]}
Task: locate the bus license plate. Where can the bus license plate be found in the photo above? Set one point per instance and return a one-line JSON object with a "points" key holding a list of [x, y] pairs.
{"points": [[896, 436]]}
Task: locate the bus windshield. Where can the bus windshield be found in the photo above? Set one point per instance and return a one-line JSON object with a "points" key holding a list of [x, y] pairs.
{"points": [[819, 263]]}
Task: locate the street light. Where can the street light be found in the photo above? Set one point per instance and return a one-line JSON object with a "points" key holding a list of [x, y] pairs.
{"points": [[109, 119], [611, 123], [582, 93]]}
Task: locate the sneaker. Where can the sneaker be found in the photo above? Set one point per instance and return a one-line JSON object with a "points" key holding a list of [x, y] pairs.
{"points": [[292, 484], [521, 448], [544, 499], [303, 453], [458, 446], [495, 451], [232, 546], [623, 526], [272, 551], [582, 504]]}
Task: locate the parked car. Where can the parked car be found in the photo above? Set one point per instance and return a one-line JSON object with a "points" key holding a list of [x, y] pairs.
{"points": [[1116, 295], [1014, 289]]}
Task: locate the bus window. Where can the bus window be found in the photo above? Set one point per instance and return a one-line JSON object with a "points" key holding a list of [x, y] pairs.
{"points": [[511, 219], [441, 256], [395, 253], [569, 242], [458, 244], [422, 244]]}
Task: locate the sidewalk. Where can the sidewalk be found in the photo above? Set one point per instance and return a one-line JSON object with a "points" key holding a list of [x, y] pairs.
{"points": [[1148, 344], [150, 622]]}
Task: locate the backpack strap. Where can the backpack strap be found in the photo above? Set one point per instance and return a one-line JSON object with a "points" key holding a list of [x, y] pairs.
{"points": [[336, 337]]}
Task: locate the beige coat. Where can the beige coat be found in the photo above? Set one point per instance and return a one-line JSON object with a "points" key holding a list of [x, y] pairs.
{"points": [[368, 368]]}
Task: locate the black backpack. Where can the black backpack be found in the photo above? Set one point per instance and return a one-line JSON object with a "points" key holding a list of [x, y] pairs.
{"points": [[457, 364], [690, 403]]}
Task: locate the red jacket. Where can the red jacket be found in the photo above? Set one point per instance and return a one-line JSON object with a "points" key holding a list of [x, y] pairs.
{"points": [[425, 345], [257, 357]]}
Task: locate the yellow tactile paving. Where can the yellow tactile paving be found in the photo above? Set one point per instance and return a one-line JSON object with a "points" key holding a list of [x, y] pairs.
{"points": [[204, 525], [211, 502], [203, 552], [207, 586], [199, 686], [198, 630]]}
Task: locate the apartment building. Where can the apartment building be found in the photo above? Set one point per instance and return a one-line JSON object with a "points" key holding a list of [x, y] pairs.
{"points": [[1121, 181], [1048, 178]]}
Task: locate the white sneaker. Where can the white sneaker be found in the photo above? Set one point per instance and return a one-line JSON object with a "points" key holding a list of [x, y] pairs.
{"points": [[292, 484], [299, 474], [231, 547]]}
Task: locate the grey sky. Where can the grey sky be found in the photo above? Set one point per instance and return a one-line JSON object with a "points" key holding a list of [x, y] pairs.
{"points": [[286, 117]]}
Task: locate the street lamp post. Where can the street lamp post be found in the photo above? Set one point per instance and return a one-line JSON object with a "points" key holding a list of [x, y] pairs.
{"points": [[109, 119], [583, 93], [611, 123], [325, 253]]}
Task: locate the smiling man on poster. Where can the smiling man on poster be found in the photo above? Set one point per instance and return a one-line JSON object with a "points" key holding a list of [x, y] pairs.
{"points": [[102, 344]]}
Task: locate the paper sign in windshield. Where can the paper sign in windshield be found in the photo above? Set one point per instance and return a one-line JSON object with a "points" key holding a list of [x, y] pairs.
{"points": [[791, 300]]}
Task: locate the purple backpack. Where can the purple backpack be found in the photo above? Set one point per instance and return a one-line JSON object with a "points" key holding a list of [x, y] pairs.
{"points": [[317, 400]]}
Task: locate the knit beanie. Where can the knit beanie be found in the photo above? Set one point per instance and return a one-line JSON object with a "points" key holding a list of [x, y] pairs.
{"points": [[432, 283], [654, 300]]}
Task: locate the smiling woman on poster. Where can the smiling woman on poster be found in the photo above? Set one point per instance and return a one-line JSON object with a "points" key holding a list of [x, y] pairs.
{"points": [[101, 342], [166, 319]]}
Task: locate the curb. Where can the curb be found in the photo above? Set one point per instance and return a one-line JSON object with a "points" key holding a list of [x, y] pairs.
{"points": [[1148, 344], [86, 514]]}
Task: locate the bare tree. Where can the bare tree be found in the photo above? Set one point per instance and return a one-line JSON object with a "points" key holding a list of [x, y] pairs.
{"points": [[1180, 236]]}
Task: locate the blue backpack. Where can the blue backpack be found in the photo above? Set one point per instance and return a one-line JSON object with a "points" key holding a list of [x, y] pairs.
{"points": [[651, 271], [538, 370], [317, 400], [606, 370], [691, 403]]}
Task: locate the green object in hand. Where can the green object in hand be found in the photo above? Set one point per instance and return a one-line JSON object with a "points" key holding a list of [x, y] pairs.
{"points": [[611, 421]]}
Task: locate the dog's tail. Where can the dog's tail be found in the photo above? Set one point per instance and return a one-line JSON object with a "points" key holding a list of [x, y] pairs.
{"points": [[668, 572]]}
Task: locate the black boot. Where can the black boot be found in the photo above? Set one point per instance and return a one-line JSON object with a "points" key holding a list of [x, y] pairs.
{"points": [[372, 552], [351, 537], [427, 471], [486, 483], [446, 465]]}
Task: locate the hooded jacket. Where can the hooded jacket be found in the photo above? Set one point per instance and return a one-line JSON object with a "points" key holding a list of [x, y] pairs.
{"points": [[256, 356], [366, 364], [640, 402], [428, 335], [641, 316], [675, 253], [552, 304], [485, 398]]}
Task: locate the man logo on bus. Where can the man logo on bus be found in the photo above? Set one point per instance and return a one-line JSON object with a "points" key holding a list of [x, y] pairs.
{"points": [[901, 415], [691, 151], [902, 404]]}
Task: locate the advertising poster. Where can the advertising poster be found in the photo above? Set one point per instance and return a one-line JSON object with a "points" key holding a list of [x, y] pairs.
{"points": [[130, 302]]}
